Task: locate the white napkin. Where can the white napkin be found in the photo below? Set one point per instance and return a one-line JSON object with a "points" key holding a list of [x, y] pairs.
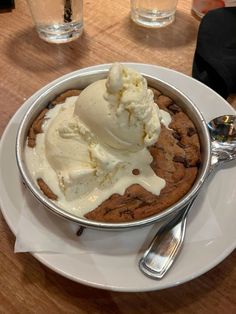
{"points": [[39, 230]]}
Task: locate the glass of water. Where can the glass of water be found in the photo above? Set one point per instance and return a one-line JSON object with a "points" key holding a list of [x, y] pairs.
{"points": [[57, 21], [153, 13]]}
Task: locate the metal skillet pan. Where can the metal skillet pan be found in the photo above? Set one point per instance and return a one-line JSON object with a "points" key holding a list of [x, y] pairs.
{"points": [[80, 81]]}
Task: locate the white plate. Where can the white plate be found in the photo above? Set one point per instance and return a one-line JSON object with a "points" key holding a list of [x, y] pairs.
{"points": [[120, 272]]}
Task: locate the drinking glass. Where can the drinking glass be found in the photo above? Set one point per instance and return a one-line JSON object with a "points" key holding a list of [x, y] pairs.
{"points": [[153, 13], [57, 21]]}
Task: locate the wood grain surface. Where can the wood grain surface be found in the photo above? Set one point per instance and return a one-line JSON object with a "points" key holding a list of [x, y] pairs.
{"points": [[26, 64]]}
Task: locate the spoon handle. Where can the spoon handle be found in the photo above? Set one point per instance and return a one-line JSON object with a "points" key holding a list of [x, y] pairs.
{"points": [[165, 246]]}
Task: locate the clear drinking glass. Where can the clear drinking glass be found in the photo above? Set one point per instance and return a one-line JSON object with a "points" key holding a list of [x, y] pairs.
{"points": [[153, 13], [57, 21]]}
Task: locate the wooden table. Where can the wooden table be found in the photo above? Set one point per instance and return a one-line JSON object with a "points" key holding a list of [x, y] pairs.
{"points": [[26, 64]]}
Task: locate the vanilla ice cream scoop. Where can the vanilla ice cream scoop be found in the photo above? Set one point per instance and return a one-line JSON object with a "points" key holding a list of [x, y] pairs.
{"points": [[120, 110], [91, 144]]}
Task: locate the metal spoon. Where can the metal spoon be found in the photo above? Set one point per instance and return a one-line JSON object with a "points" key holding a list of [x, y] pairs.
{"points": [[167, 243]]}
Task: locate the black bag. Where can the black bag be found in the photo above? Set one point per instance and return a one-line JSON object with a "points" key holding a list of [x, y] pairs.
{"points": [[214, 61]]}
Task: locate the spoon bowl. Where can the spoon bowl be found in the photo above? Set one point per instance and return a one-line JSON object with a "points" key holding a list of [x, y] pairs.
{"points": [[223, 129], [223, 135]]}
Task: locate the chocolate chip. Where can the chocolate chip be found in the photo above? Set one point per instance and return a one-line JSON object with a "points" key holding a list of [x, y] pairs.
{"points": [[180, 159], [50, 105], [136, 172], [80, 231], [174, 108], [191, 131], [176, 135], [181, 145], [198, 163], [186, 164]]}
